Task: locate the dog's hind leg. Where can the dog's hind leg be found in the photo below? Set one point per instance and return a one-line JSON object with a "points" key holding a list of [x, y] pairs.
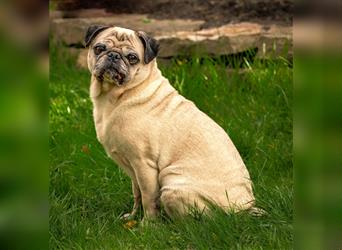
{"points": [[178, 203]]}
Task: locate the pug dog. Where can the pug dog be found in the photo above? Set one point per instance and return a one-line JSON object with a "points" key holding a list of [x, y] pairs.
{"points": [[175, 155]]}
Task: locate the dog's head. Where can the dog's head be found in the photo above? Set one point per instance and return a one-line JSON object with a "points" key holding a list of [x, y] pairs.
{"points": [[119, 56]]}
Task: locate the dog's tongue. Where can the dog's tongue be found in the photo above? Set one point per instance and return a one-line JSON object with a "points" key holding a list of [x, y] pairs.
{"points": [[118, 77]]}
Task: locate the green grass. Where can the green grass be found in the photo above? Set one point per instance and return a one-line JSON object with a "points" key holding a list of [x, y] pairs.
{"points": [[88, 192]]}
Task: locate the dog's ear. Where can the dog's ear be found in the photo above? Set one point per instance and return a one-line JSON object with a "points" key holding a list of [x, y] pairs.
{"points": [[151, 46], [92, 32]]}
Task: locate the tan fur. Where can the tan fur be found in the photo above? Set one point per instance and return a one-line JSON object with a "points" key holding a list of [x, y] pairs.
{"points": [[173, 152]]}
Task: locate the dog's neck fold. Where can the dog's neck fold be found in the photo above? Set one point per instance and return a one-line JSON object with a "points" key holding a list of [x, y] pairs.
{"points": [[115, 94]]}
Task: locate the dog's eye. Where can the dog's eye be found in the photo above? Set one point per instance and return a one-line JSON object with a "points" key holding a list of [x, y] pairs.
{"points": [[132, 58], [98, 49]]}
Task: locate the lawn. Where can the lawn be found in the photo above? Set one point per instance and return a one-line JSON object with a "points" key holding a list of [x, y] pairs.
{"points": [[89, 193]]}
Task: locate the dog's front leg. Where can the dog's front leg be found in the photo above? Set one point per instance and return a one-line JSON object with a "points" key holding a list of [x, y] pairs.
{"points": [[147, 178], [137, 197], [137, 201]]}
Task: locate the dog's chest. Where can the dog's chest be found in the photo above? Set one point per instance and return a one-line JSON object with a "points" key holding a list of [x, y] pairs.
{"points": [[122, 130]]}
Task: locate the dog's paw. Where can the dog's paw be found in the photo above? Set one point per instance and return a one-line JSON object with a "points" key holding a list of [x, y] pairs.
{"points": [[145, 222], [149, 222], [127, 216]]}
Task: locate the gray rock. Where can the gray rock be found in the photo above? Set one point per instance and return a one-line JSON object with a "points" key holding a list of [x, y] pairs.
{"points": [[184, 37], [71, 31]]}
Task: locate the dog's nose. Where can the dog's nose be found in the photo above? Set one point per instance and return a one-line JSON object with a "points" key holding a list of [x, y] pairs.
{"points": [[114, 56]]}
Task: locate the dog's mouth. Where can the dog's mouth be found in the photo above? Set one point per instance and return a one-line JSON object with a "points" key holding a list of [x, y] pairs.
{"points": [[111, 76]]}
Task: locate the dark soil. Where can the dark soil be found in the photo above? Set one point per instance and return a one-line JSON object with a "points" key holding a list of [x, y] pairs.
{"points": [[213, 12]]}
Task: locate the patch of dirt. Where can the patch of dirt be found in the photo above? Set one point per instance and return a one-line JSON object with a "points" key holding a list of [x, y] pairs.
{"points": [[213, 12]]}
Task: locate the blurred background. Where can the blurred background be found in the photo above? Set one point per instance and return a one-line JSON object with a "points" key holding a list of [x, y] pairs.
{"points": [[23, 125], [24, 72]]}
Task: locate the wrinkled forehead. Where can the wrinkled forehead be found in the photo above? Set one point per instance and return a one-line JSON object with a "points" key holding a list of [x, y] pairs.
{"points": [[119, 37]]}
